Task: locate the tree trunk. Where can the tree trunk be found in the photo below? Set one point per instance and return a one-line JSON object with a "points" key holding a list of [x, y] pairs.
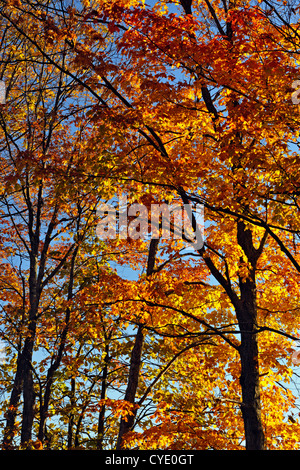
{"points": [[10, 415], [249, 379], [246, 310], [101, 418], [23, 378], [135, 360], [44, 406], [247, 318], [28, 389], [135, 363], [28, 384], [71, 416]]}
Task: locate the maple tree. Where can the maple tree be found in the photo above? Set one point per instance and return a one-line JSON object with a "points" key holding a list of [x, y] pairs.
{"points": [[179, 101]]}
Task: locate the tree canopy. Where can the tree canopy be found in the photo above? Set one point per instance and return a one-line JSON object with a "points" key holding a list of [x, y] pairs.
{"points": [[149, 342]]}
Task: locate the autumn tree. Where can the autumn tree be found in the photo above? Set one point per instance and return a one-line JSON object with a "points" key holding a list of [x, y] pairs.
{"points": [[42, 227], [187, 101]]}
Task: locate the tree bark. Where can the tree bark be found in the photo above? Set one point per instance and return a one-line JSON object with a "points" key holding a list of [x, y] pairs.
{"points": [[10, 415], [249, 380], [28, 389], [101, 418], [135, 363], [71, 415], [127, 423], [44, 406], [23, 383], [28, 384], [245, 307], [247, 319]]}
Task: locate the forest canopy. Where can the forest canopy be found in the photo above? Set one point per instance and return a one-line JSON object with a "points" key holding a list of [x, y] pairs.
{"points": [[134, 336]]}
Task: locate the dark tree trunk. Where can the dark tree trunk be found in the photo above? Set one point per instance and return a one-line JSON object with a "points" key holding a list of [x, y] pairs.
{"points": [[44, 406], [101, 418], [127, 423], [251, 408], [34, 297], [246, 311], [28, 384], [187, 6], [247, 318], [71, 416], [28, 390], [135, 363], [23, 378], [10, 415]]}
